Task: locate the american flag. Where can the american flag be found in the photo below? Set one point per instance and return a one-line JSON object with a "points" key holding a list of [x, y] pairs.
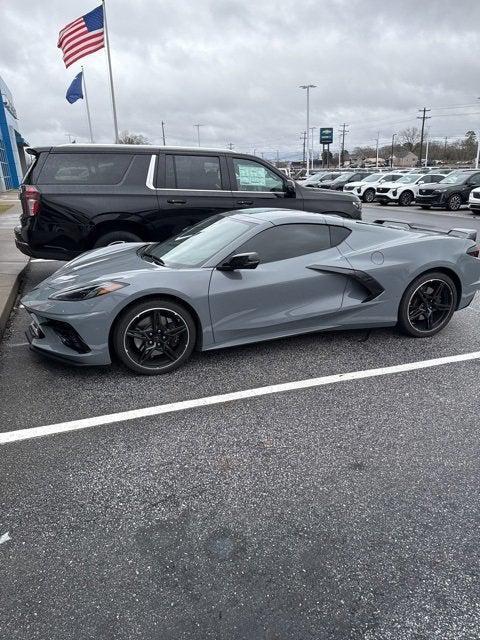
{"points": [[82, 36]]}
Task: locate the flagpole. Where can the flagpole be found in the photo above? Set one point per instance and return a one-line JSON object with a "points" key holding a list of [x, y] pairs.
{"points": [[86, 104], [112, 92]]}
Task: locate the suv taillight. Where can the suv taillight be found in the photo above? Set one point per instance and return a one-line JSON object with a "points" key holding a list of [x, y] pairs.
{"points": [[474, 251], [32, 200]]}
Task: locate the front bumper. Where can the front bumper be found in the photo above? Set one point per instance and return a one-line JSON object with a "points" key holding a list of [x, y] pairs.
{"points": [[385, 197], [67, 338], [431, 200]]}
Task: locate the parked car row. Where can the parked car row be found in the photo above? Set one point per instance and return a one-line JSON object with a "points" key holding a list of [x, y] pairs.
{"points": [[427, 187]]}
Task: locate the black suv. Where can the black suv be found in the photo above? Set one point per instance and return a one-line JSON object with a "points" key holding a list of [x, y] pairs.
{"points": [[451, 192], [78, 197]]}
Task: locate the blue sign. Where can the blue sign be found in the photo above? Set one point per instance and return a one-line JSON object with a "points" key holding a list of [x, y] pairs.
{"points": [[326, 135]]}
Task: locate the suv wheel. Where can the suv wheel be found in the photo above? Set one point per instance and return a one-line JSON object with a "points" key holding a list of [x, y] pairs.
{"points": [[454, 202], [405, 199], [155, 336], [116, 236], [369, 195], [427, 305]]}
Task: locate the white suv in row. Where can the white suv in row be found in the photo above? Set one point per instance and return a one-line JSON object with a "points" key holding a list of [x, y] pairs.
{"points": [[404, 190], [365, 189]]}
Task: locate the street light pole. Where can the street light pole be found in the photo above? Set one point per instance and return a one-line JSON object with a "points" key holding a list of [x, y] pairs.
{"points": [[308, 87], [197, 127]]}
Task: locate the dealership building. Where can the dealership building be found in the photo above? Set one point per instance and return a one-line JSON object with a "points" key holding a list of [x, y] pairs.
{"points": [[12, 144]]}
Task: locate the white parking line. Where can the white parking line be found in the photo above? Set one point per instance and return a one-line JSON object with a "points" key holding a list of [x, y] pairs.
{"points": [[123, 416]]}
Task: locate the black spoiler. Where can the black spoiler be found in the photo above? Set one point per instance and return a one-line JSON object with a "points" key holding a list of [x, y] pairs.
{"points": [[459, 232]]}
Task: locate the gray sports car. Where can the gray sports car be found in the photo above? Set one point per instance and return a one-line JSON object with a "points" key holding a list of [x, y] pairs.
{"points": [[246, 276]]}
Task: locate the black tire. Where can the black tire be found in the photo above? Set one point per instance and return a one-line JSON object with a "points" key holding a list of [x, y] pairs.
{"points": [[369, 195], [425, 206], [137, 345], [116, 236], [406, 199], [454, 202], [422, 314]]}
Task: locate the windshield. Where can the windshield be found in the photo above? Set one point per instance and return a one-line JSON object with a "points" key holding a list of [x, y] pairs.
{"points": [[374, 177], [197, 244], [315, 178], [344, 176], [408, 179], [453, 178]]}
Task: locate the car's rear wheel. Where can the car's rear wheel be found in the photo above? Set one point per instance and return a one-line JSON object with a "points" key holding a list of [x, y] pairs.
{"points": [[405, 199], [427, 305], [116, 236], [369, 195], [454, 202], [155, 336]]}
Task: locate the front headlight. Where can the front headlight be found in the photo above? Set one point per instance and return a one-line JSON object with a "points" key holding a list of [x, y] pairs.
{"points": [[88, 292]]}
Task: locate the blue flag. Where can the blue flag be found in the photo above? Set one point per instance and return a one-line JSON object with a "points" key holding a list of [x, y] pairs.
{"points": [[74, 91]]}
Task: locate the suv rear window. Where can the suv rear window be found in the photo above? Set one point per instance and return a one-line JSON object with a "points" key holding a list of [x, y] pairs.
{"points": [[84, 168]]}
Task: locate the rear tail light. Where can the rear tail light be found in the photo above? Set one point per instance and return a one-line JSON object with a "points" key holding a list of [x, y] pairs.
{"points": [[32, 200], [474, 251]]}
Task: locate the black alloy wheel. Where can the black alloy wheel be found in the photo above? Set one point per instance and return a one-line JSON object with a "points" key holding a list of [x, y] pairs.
{"points": [[369, 195], [427, 305], [454, 202], [154, 337], [406, 199]]}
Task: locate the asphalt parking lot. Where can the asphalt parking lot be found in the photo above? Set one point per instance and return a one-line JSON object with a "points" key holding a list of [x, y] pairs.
{"points": [[347, 510]]}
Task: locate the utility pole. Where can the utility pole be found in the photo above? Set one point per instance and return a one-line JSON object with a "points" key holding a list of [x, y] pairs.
{"points": [[342, 132], [197, 127], [278, 158], [426, 148], [163, 132], [308, 87], [393, 142], [376, 154], [445, 149], [312, 129], [423, 117], [230, 145]]}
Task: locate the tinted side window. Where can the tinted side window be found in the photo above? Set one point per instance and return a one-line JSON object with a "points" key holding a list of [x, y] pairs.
{"points": [[288, 241], [253, 176], [193, 172], [85, 168], [475, 179]]}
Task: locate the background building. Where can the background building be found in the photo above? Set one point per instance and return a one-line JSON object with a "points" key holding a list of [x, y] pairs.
{"points": [[12, 155]]}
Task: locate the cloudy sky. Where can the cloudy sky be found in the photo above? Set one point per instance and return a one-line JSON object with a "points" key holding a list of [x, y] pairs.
{"points": [[235, 66]]}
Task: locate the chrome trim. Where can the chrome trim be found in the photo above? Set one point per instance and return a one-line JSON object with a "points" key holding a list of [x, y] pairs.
{"points": [[151, 173]]}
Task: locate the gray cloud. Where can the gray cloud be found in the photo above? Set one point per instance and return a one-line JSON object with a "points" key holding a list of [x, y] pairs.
{"points": [[235, 66]]}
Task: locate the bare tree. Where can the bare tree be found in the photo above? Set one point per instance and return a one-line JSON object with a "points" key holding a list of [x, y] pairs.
{"points": [[410, 137], [132, 138]]}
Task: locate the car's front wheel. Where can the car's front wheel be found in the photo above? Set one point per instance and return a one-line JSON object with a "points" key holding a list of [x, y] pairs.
{"points": [[427, 305], [454, 202], [369, 195], [155, 336], [406, 199]]}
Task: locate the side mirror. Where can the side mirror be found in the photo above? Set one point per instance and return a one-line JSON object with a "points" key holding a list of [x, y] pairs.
{"points": [[241, 261], [290, 189]]}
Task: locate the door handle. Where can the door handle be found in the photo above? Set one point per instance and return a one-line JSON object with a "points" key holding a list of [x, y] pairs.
{"points": [[177, 201], [246, 202]]}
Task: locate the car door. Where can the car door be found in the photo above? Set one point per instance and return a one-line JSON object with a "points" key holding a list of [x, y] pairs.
{"points": [[294, 288], [190, 186], [254, 184]]}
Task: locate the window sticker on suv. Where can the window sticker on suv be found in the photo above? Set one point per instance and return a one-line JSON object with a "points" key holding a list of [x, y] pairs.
{"points": [[252, 176]]}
